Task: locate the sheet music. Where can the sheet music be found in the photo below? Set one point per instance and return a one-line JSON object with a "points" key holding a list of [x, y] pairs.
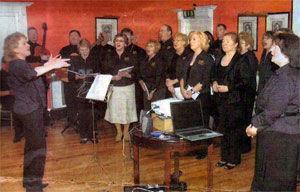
{"points": [[126, 69], [194, 95], [147, 90], [177, 94], [99, 87]]}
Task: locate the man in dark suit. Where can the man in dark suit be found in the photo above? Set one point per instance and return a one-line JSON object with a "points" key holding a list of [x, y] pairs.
{"points": [[167, 50], [69, 91]]}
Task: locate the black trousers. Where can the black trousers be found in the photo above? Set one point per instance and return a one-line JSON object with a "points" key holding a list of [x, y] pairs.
{"points": [[231, 125], [85, 118], [245, 140], [276, 162], [35, 148], [18, 127], [70, 98]]}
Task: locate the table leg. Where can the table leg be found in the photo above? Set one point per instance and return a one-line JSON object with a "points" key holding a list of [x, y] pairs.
{"points": [[210, 167], [168, 170], [176, 167], [136, 164]]}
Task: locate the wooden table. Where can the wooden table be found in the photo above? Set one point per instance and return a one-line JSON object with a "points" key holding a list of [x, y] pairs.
{"points": [[168, 147]]}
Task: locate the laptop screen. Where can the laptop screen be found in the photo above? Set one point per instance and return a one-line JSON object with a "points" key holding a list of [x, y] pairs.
{"points": [[186, 114]]}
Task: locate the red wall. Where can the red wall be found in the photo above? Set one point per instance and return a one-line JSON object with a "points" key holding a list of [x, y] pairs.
{"points": [[144, 17]]}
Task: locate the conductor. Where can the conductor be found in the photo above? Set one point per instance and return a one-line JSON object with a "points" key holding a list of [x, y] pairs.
{"points": [[30, 100]]}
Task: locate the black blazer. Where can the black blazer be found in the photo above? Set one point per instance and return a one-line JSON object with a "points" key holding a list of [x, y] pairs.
{"points": [[236, 77], [153, 72], [199, 72]]}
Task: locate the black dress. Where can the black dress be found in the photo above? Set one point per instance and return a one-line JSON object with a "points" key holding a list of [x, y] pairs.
{"points": [[277, 144]]}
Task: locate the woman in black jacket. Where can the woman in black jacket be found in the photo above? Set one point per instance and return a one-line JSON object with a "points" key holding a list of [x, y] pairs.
{"points": [[152, 75], [248, 95], [277, 126], [230, 77], [174, 73], [84, 64], [121, 108], [196, 73]]}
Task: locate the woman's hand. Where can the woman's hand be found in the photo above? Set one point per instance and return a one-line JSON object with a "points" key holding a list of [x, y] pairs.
{"points": [[116, 78], [184, 93], [79, 77], [151, 95], [171, 89], [169, 82], [222, 88], [189, 94], [251, 131], [215, 86], [142, 84], [124, 74], [57, 62]]}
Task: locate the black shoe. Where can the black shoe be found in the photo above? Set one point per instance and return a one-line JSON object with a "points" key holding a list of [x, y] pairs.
{"points": [[199, 157], [18, 138], [221, 164], [229, 166], [44, 185], [41, 186], [84, 141], [191, 153]]}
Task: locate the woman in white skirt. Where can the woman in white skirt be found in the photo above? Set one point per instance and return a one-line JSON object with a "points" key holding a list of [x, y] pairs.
{"points": [[121, 109]]}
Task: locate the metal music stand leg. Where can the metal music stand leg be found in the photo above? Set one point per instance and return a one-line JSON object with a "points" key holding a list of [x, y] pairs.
{"points": [[95, 153]]}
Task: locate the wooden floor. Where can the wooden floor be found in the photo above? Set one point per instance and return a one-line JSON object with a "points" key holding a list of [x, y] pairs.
{"points": [[71, 167]]}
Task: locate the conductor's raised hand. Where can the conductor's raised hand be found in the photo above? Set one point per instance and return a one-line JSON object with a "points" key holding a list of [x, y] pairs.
{"points": [[57, 62]]}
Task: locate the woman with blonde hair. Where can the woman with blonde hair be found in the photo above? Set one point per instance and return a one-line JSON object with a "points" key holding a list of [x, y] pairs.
{"points": [[196, 72], [195, 79]]}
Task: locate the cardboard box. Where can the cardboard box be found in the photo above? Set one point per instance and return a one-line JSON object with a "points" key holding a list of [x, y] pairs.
{"points": [[164, 125]]}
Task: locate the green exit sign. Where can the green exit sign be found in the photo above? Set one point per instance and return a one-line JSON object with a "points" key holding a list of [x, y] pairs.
{"points": [[189, 13]]}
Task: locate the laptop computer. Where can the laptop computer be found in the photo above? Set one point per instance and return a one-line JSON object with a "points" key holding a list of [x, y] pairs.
{"points": [[187, 118]]}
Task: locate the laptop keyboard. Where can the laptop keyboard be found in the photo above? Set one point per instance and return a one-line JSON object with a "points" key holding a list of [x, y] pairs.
{"points": [[195, 133]]}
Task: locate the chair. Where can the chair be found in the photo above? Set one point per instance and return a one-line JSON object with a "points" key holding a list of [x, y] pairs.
{"points": [[8, 116]]}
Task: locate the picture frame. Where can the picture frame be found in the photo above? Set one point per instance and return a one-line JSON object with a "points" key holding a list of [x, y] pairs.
{"points": [[276, 21], [108, 25], [249, 24]]}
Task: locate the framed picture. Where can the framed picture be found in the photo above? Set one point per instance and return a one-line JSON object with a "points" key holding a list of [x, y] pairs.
{"points": [[107, 25], [276, 21], [249, 24]]}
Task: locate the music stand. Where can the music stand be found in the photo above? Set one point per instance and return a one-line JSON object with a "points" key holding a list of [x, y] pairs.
{"points": [[82, 93]]}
